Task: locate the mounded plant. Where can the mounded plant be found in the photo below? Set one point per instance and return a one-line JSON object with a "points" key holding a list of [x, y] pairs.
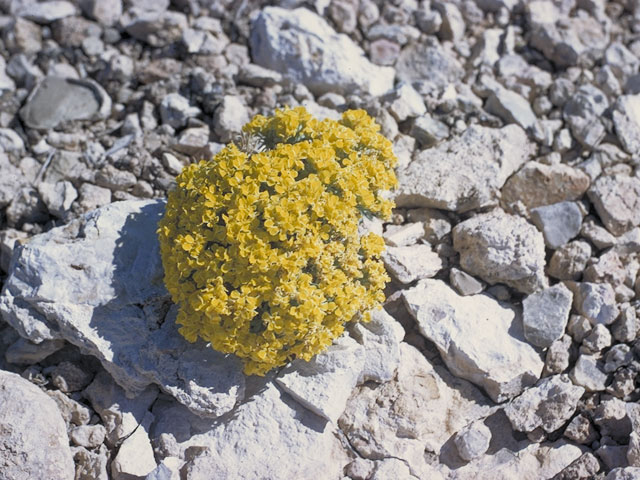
{"points": [[260, 244]]}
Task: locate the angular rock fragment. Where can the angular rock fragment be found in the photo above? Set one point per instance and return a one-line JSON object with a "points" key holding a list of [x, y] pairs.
{"points": [[587, 374], [596, 301], [502, 248], [410, 263], [545, 315], [428, 62], [617, 201], [473, 440], [304, 46], [548, 405], [56, 100], [324, 383], [626, 121], [34, 442], [97, 283], [559, 222], [463, 173], [478, 338]]}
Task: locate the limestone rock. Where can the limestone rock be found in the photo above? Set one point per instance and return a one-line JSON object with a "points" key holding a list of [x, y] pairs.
{"points": [[135, 455], [410, 263], [588, 374], [463, 173], [502, 248], [304, 46], [34, 442], [596, 301], [626, 120], [548, 405], [427, 61], [617, 201], [473, 441], [545, 315], [559, 222], [417, 411], [324, 383], [97, 283], [478, 338]]}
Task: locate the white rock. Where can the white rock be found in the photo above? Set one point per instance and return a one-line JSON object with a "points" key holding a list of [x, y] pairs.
{"points": [[324, 384], [596, 301], [230, 116], [120, 415], [617, 201], [472, 441], [545, 315], [175, 110], [532, 461], [512, 108], [105, 12], [588, 374], [268, 436], [10, 141], [91, 465], [502, 248], [405, 102], [412, 262], [304, 46], [402, 235], [548, 405], [90, 436], [58, 197], [419, 410], [46, 12], [626, 120], [381, 338], [396, 469], [85, 282], [135, 457], [34, 442], [478, 338], [11, 180], [463, 173]]}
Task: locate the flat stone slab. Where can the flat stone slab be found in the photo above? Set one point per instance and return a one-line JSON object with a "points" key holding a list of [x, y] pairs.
{"points": [[97, 282], [479, 339]]}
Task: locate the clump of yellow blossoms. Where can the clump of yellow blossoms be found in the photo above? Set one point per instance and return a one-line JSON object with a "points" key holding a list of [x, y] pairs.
{"points": [[260, 245]]}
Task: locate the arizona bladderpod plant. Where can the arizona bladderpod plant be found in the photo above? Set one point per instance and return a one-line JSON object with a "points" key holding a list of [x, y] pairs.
{"points": [[260, 245]]}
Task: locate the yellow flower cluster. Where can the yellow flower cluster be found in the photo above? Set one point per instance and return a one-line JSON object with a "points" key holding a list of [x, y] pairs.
{"points": [[261, 249]]}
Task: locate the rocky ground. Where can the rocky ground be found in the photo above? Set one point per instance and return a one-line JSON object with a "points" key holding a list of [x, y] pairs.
{"points": [[508, 343]]}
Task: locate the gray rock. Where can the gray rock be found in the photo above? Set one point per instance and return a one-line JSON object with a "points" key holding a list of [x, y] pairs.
{"points": [[617, 201], [92, 197], [464, 283], [463, 173], [618, 356], [559, 222], [105, 12], [502, 248], [230, 116], [89, 436], [405, 102], [624, 473], [596, 301], [548, 405], [394, 420], [58, 197], [472, 441], [478, 338], [34, 442], [381, 338], [10, 142], [597, 340], [328, 62], [8, 239], [157, 28], [46, 12], [545, 315], [323, 384], [536, 184], [175, 110], [69, 377], [91, 465], [428, 131], [626, 121], [83, 281], [583, 113], [558, 356], [24, 352], [625, 329], [428, 62], [56, 100], [633, 453], [11, 181], [410, 263], [584, 468], [26, 207], [588, 374], [73, 413], [453, 25], [258, 76], [569, 261], [112, 178], [511, 108], [120, 414], [581, 430]]}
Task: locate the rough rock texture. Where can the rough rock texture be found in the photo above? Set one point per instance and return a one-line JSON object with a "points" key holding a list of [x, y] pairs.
{"points": [[502, 248], [33, 436], [410, 263], [304, 46], [617, 201], [479, 339], [463, 173], [418, 410], [545, 315], [97, 283]]}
